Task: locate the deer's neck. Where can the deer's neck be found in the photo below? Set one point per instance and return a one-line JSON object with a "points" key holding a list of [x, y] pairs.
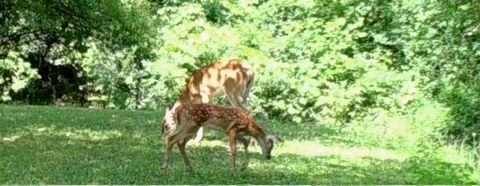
{"points": [[185, 98], [181, 102], [255, 130]]}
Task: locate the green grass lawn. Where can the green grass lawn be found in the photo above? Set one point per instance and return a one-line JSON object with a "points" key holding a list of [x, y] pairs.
{"points": [[50, 145]]}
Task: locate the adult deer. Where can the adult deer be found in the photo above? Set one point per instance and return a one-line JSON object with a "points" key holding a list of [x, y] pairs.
{"points": [[233, 77], [236, 122]]}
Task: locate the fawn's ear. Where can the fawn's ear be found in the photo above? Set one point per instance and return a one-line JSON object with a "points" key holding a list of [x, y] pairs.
{"points": [[168, 108], [275, 138], [168, 112]]}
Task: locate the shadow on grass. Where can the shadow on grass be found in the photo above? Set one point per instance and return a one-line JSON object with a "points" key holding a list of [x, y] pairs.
{"points": [[325, 134], [81, 146], [295, 169], [125, 160], [21, 118]]}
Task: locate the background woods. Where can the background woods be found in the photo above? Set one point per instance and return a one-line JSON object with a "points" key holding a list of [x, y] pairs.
{"points": [[395, 74]]}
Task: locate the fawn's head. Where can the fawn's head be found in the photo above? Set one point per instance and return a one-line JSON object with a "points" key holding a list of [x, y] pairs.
{"points": [[266, 142]]}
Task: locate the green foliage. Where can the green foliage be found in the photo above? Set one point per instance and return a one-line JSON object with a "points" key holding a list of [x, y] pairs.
{"points": [[15, 75], [442, 42], [53, 36]]}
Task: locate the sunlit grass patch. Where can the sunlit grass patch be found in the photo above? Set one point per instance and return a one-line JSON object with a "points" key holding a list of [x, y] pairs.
{"points": [[314, 148], [74, 134], [309, 148], [48, 145]]}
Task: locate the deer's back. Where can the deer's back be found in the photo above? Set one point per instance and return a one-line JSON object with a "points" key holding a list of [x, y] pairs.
{"points": [[216, 75], [201, 114]]}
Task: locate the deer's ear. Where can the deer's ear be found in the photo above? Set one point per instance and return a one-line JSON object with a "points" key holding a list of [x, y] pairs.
{"points": [[168, 108], [275, 138]]}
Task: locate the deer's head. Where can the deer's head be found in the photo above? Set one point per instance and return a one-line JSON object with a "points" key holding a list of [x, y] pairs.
{"points": [[266, 143]]}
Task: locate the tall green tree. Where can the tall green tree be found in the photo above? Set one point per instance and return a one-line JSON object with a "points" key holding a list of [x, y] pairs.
{"points": [[51, 35]]}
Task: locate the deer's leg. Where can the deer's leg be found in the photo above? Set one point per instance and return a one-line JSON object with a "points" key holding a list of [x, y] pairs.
{"points": [[181, 147], [199, 135], [247, 158], [234, 99], [246, 93], [242, 104], [232, 136], [245, 102]]}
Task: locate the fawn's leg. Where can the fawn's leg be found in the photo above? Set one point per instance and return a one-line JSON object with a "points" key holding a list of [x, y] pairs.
{"points": [[171, 140], [232, 137], [247, 158], [181, 147]]}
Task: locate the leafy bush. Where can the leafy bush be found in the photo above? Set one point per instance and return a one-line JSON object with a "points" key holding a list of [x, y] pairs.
{"points": [[15, 75]]}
